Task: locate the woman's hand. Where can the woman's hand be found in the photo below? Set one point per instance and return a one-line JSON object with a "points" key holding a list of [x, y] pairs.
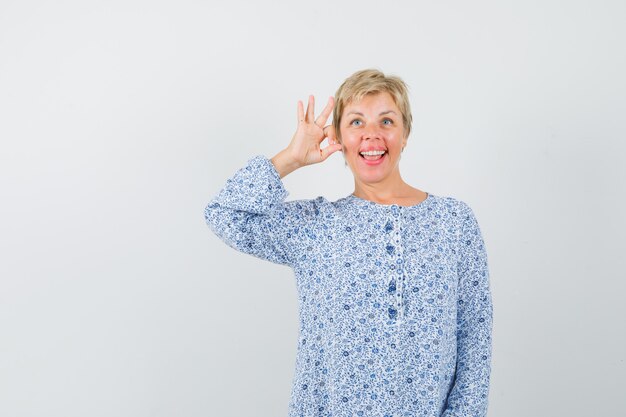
{"points": [[304, 148], [305, 144]]}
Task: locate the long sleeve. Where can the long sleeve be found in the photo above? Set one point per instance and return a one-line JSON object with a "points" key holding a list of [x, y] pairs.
{"points": [[250, 213], [469, 394]]}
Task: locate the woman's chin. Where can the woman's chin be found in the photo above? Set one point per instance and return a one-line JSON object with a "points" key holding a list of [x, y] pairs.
{"points": [[371, 176], [367, 172]]}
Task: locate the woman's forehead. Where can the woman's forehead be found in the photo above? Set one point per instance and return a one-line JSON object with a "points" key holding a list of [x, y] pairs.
{"points": [[372, 101]]}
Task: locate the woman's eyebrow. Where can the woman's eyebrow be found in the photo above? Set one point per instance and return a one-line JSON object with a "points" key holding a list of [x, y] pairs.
{"points": [[380, 114]]}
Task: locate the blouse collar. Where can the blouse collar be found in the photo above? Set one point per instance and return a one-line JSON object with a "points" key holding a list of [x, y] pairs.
{"points": [[393, 207]]}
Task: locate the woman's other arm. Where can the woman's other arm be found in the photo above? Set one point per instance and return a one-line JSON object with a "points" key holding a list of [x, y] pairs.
{"points": [[469, 394]]}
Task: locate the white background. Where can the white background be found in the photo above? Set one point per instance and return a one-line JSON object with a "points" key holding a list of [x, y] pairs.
{"points": [[119, 120]]}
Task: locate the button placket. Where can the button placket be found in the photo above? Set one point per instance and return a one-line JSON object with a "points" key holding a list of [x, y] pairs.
{"points": [[399, 261], [393, 227], [390, 249]]}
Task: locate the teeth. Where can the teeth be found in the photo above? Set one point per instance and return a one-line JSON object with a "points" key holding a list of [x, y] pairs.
{"points": [[372, 153]]}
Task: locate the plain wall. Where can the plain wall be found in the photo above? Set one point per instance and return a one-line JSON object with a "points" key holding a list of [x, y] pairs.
{"points": [[119, 120]]}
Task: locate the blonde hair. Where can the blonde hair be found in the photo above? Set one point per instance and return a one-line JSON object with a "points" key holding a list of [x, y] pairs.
{"points": [[372, 81]]}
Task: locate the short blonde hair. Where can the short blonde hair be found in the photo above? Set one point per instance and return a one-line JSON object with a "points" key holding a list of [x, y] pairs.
{"points": [[372, 81]]}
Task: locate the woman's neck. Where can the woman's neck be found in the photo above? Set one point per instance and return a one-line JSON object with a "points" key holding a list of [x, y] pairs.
{"points": [[390, 191]]}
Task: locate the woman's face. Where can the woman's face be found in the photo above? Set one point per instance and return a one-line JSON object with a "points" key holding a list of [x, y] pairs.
{"points": [[372, 124]]}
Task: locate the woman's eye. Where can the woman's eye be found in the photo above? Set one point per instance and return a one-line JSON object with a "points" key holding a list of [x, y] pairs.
{"points": [[356, 122], [388, 121]]}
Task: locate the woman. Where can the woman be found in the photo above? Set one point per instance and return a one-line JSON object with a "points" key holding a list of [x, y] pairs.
{"points": [[393, 283]]}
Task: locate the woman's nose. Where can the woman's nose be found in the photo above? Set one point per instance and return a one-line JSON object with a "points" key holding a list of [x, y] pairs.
{"points": [[371, 132]]}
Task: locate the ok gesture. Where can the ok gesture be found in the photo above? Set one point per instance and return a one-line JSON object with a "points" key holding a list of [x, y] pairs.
{"points": [[305, 144]]}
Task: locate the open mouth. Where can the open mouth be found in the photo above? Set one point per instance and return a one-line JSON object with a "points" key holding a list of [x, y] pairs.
{"points": [[373, 155]]}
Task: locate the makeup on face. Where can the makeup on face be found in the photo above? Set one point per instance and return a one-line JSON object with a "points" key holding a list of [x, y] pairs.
{"points": [[373, 136]]}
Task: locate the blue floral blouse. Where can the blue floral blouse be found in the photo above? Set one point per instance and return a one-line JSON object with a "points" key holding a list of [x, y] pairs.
{"points": [[394, 301]]}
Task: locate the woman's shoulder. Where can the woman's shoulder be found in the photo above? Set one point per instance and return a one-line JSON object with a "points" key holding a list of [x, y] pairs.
{"points": [[320, 208], [450, 209], [452, 202], [460, 209], [319, 202], [304, 204], [309, 209]]}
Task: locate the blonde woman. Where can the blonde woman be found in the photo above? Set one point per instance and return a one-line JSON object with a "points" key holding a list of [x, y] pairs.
{"points": [[394, 297]]}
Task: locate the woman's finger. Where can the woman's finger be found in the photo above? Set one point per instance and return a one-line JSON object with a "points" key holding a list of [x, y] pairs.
{"points": [[300, 112], [329, 150], [321, 120], [329, 132], [310, 110]]}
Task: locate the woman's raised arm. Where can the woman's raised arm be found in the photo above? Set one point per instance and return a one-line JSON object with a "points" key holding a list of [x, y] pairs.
{"points": [[250, 213]]}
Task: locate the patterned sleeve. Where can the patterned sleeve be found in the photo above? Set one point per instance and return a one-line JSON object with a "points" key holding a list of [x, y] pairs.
{"points": [[250, 214], [469, 394]]}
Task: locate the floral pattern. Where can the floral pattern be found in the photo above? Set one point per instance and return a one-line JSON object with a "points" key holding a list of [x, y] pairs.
{"points": [[394, 301]]}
